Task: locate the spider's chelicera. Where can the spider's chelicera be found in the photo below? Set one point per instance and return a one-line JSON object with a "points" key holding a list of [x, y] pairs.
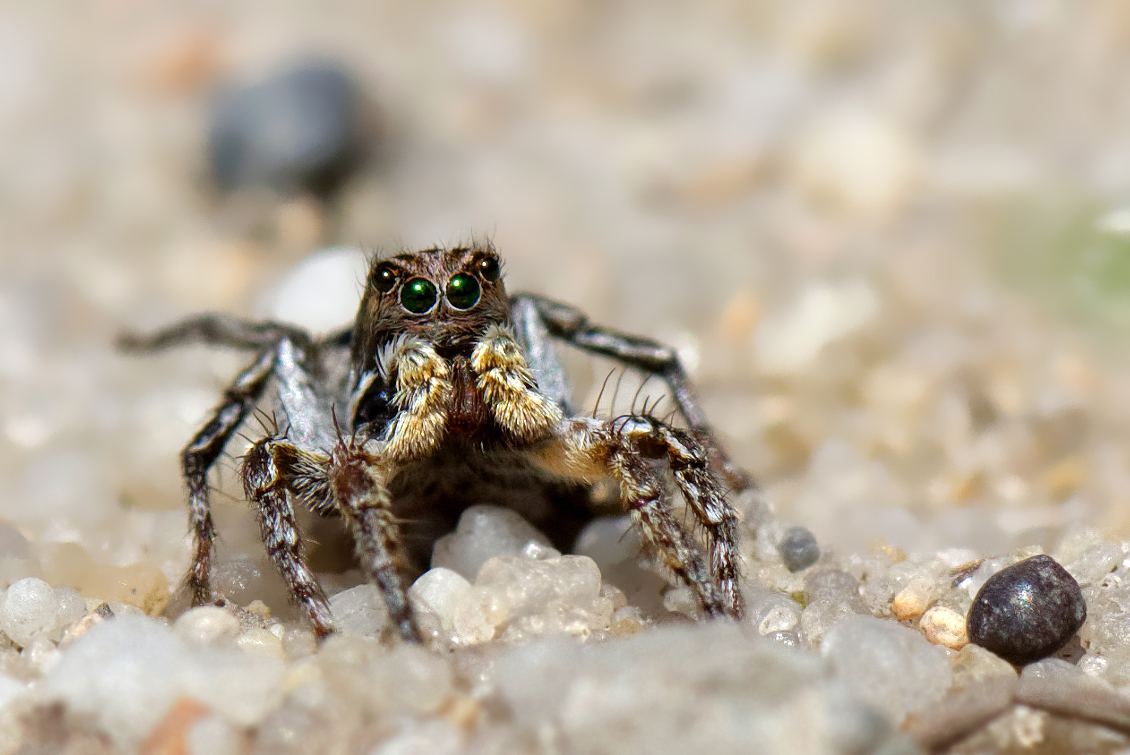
{"points": [[449, 393]]}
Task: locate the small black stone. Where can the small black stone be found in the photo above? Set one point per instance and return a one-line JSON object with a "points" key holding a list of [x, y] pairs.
{"points": [[297, 131], [1027, 611], [798, 549]]}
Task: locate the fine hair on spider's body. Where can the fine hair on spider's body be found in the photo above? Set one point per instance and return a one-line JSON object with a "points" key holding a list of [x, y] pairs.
{"points": [[453, 396]]}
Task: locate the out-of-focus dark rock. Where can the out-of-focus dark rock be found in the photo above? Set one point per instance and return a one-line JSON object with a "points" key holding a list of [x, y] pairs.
{"points": [[298, 131], [798, 548]]}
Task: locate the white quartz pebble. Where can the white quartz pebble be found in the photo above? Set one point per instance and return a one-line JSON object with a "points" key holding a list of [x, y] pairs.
{"points": [[484, 532], [40, 653], [540, 596], [439, 591], [478, 616], [125, 673], [259, 640], [359, 612], [832, 596], [29, 607], [771, 611], [974, 664], [1095, 563], [207, 625], [609, 541], [72, 607]]}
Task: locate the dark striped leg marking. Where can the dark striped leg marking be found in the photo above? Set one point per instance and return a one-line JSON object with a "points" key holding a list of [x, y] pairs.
{"points": [[642, 490], [363, 500], [266, 483], [199, 456], [690, 465]]}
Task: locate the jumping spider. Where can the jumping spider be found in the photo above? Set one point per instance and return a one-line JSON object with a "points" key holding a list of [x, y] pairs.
{"points": [[448, 393]]}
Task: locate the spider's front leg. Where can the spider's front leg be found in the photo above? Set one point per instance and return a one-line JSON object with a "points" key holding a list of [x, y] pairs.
{"points": [[270, 339], [272, 471], [350, 481], [357, 472], [627, 447], [357, 480]]}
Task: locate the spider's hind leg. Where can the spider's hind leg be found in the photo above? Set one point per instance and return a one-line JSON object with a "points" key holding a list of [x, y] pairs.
{"points": [[213, 329], [199, 456]]}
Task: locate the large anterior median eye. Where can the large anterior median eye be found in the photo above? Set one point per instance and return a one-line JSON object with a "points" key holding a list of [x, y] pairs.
{"points": [[462, 291], [418, 295]]}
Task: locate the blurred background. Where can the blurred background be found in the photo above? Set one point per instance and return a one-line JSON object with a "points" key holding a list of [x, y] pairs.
{"points": [[890, 238]]}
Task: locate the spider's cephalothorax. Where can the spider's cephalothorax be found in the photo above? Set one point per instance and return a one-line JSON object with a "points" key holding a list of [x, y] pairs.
{"points": [[453, 396], [434, 352]]}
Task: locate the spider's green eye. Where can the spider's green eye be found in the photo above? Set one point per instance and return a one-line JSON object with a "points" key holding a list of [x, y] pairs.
{"points": [[418, 295], [488, 268], [463, 291], [384, 278]]}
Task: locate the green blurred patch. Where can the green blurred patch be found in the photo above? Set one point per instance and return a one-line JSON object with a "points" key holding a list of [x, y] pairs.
{"points": [[1072, 252]]}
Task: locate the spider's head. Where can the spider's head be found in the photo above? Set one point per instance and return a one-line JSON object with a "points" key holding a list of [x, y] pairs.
{"points": [[448, 296]]}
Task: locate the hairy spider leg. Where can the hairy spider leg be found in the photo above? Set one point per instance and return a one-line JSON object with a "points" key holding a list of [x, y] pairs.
{"points": [[362, 498], [347, 481], [272, 470], [690, 465], [214, 329], [201, 453], [573, 326], [625, 447], [541, 357], [283, 343]]}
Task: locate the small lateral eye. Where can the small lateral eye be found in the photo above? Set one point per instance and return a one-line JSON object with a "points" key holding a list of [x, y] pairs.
{"points": [[384, 278], [488, 268], [418, 295], [462, 291]]}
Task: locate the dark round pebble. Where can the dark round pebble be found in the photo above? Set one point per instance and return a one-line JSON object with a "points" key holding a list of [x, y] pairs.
{"points": [[297, 131], [798, 549], [1027, 611]]}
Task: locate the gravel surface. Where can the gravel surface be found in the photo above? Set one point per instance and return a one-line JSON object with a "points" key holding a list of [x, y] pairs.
{"points": [[889, 240]]}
